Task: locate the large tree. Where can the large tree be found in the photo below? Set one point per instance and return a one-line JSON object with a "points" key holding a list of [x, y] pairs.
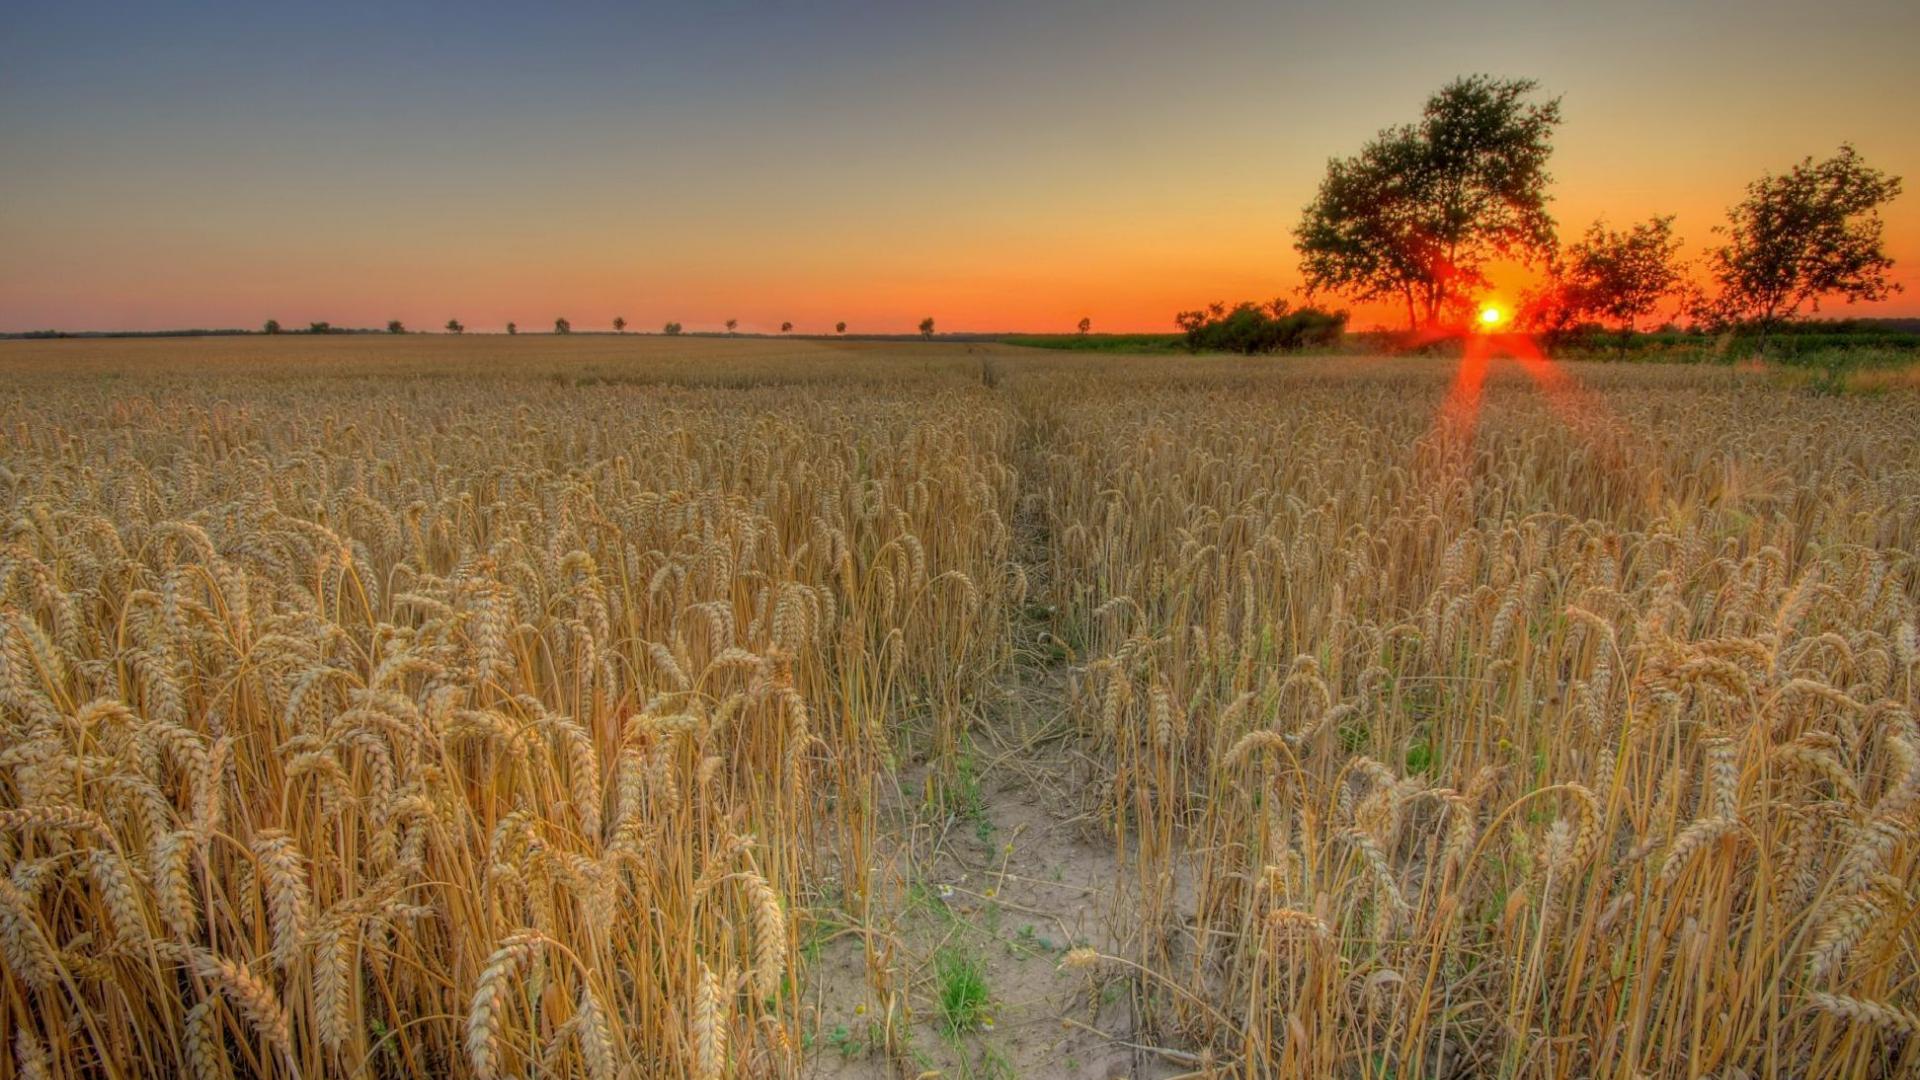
{"points": [[1422, 209], [1812, 233]]}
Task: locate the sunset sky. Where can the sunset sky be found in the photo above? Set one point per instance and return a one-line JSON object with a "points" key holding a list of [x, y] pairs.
{"points": [[997, 166]]}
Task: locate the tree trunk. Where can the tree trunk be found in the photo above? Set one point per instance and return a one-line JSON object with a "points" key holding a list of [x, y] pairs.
{"points": [[1767, 320]]}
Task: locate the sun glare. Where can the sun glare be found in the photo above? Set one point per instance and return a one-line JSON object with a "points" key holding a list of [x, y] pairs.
{"points": [[1492, 316]]}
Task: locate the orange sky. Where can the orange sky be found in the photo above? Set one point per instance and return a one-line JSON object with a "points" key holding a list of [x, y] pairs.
{"points": [[1003, 167]]}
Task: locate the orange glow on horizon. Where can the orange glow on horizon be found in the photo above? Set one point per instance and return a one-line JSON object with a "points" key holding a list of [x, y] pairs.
{"points": [[872, 169]]}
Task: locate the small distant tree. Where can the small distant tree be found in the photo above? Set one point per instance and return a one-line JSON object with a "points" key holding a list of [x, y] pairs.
{"points": [[272, 326], [394, 326], [731, 323], [1813, 233], [1546, 309], [840, 327], [1620, 277], [926, 327], [562, 326], [786, 327], [619, 325], [454, 327], [513, 328], [320, 328], [672, 328], [1086, 326]]}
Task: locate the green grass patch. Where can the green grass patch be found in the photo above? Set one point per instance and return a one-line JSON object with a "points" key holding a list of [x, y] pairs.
{"points": [[1127, 343], [961, 995]]}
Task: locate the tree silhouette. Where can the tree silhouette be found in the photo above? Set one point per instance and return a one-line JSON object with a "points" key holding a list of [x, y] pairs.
{"points": [[320, 328], [562, 326], [1424, 207], [1252, 329], [1812, 233], [394, 327], [619, 325], [272, 326], [1086, 326], [840, 327], [731, 323], [513, 328], [786, 327], [672, 328], [454, 327], [1619, 277], [926, 327]]}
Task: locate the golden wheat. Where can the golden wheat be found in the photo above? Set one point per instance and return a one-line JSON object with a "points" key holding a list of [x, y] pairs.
{"points": [[377, 715]]}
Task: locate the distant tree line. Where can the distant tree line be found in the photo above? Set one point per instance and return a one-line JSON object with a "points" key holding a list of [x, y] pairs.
{"points": [[561, 325]]}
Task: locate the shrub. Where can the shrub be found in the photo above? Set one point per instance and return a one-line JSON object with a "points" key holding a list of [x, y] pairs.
{"points": [[1251, 329]]}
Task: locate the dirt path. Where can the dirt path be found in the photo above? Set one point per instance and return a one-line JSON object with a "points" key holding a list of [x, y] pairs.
{"points": [[993, 878]]}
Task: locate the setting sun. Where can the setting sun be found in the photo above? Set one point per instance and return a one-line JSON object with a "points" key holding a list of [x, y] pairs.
{"points": [[1492, 316]]}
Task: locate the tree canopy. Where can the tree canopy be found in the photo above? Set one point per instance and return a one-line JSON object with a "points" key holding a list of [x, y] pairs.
{"points": [[1422, 209], [1812, 233]]}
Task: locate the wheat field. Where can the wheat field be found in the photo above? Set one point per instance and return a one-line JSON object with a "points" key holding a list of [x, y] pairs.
{"points": [[632, 707]]}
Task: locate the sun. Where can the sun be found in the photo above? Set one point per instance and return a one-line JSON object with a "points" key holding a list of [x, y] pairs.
{"points": [[1491, 316]]}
